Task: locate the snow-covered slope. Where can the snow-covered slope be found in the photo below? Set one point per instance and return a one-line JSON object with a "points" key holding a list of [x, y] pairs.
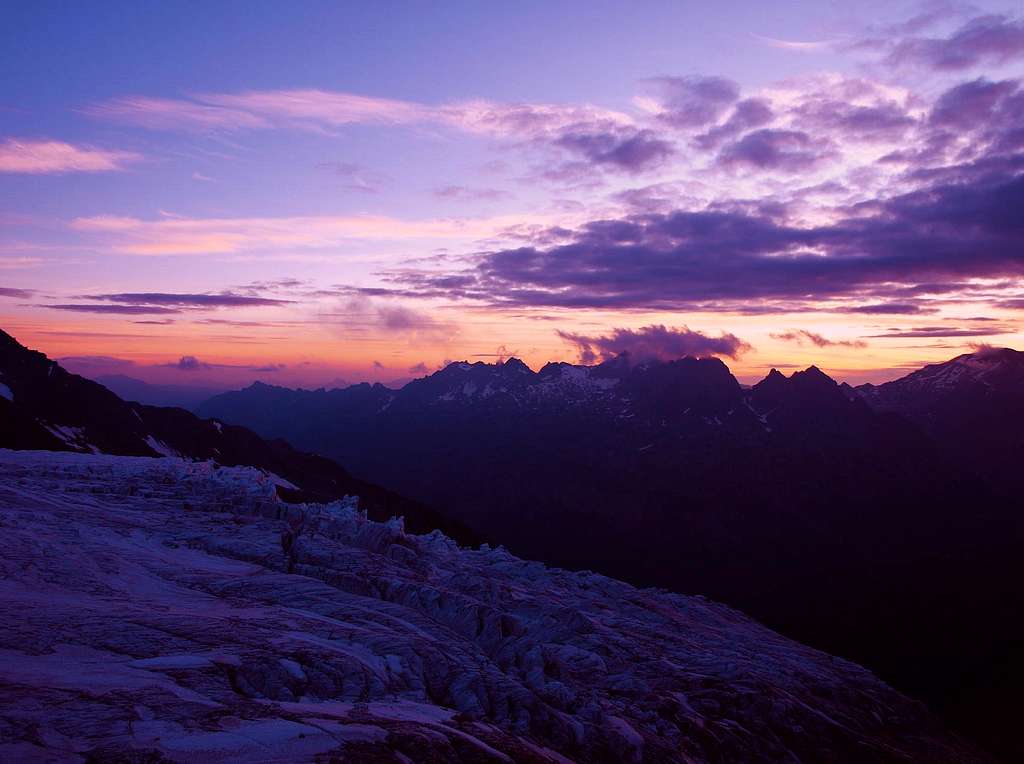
{"points": [[169, 610], [985, 372]]}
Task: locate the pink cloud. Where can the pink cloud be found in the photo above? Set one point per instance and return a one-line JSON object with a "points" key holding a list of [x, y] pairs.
{"points": [[196, 236], [44, 157], [324, 109], [174, 114]]}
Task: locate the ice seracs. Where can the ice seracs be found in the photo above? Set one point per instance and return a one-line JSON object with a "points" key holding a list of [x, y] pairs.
{"points": [[169, 610]]}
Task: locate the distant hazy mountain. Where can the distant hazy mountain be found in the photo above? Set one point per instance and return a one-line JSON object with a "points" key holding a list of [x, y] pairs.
{"points": [[806, 503], [42, 406], [179, 396]]}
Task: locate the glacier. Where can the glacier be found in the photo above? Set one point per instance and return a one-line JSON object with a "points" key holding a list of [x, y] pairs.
{"points": [[163, 609]]}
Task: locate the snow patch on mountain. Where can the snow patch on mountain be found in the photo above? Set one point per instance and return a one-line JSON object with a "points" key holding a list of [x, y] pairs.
{"points": [[982, 371], [160, 447], [72, 436]]}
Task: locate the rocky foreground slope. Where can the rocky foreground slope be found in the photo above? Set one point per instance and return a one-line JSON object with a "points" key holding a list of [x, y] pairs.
{"points": [[156, 609]]}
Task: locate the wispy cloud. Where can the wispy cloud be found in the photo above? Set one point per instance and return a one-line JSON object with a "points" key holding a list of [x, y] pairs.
{"points": [[198, 236], [799, 336], [47, 157], [610, 140], [156, 303], [13, 263], [316, 109], [946, 331], [802, 46], [356, 177], [360, 314], [465, 193], [127, 310], [221, 300]]}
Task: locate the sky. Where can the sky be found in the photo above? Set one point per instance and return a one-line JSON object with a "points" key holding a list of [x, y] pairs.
{"points": [[320, 193]]}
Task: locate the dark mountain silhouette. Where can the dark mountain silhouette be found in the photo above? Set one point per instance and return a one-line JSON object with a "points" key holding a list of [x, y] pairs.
{"points": [[42, 406], [840, 521], [972, 406]]}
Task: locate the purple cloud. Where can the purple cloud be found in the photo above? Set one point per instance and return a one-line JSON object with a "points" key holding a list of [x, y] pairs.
{"points": [[222, 300], [971, 104], [128, 310], [986, 39], [655, 342], [837, 118], [968, 226], [464, 193], [693, 102], [769, 149], [748, 114], [889, 308], [944, 331], [22, 294], [103, 361], [363, 314], [191, 363], [624, 149]]}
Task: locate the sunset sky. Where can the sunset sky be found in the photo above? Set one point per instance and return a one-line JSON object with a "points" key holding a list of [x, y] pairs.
{"points": [[211, 193]]}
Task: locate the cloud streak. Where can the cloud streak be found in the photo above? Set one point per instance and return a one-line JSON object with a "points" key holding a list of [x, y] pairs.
{"points": [[127, 310], [200, 236], [799, 336], [222, 300], [30, 156]]}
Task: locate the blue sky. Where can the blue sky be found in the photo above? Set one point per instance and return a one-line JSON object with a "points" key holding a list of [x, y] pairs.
{"points": [[394, 184]]}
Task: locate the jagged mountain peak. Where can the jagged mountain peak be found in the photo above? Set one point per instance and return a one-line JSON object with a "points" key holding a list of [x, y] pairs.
{"points": [[812, 375], [514, 364]]}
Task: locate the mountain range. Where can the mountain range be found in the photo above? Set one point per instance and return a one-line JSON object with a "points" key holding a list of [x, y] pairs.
{"points": [[878, 522]]}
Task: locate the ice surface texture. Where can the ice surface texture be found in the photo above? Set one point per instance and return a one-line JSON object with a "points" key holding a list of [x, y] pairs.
{"points": [[167, 610]]}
